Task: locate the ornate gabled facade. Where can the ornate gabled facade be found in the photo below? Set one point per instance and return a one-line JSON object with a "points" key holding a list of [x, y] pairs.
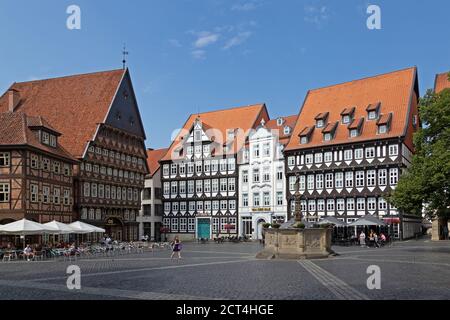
{"points": [[99, 118], [200, 173], [349, 147], [262, 183], [36, 173]]}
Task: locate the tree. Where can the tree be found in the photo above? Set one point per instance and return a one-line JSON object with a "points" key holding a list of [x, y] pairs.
{"points": [[426, 183]]}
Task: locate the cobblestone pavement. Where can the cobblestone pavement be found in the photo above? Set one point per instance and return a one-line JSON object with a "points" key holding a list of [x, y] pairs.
{"points": [[417, 269]]}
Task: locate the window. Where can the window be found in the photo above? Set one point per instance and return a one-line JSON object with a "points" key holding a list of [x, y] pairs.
{"points": [[330, 205], [101, 191], [372, 115], [207, 186], [45, 194], [87, 189], [370, 153], [191, 206], [190, 150], [34, 161], [182, 169], [353, 133], [46, 164], [166, 188], [245, 176], [198, 167], [198, 149], [329, 180], [327, 136], [4, 192], [223, 185], [206, 149], [266, 174], [360, 179], [190, 168], [256, 200], [56, 195], [191, 224], [215, 205], [350, 204], [382, 129], [245, 200], [266, 199], [382, 177], [320, 123], [279, 198], [231, 185], [266, 149], [167, 206], [223, 165], [107, 192], [34, 192], [223, 205], [393, 176], [292, 180], [311, 205], [319, 181], [199, 187], [310, 184], [174, 225], [328, 156], [183, 206], [215, 185], [318, 158], [183, 224], [94, 191], [214, 165], [348, 155], [190, 186], [346, 119], [174, 188], [340, 204], [66, 170], [4, 159], [371, 178], [349, 179], [45, 138], [382, 204], [309, 159], [175, 207], [302, 183], [359, 154], [291, 161], [393, 150], [339, 180], [371, 204], [256, 151], [173, 169], [361, 204], [232, 204], [255, 175], [320, 205], [304, 140], [279, 122], [66, 197], [231, 164]]}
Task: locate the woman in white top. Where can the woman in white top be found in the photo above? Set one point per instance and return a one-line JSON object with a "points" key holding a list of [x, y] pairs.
{"points": [[362, 239]]}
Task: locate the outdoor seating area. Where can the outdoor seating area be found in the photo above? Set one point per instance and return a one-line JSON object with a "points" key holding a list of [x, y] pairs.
{"points": [[350, 234]]}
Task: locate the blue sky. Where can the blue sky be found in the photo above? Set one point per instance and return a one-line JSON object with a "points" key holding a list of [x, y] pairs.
{"points": [[188, 56]]}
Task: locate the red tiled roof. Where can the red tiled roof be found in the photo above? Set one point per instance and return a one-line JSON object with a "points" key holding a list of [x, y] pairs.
{"points": [[15, 131], [153, 157], [287, 122], [395, 91], [73, 105], [442, 82], [242, 118]]}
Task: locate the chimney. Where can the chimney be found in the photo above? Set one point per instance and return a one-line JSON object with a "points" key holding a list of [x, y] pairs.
{"points": [[14, 98]]}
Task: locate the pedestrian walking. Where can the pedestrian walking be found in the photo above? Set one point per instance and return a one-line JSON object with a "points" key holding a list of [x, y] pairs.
{"points": [[362, 239], [176, 248]]}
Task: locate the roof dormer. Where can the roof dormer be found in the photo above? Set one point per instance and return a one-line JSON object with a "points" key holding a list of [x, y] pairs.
{"points": [[347, 115], [329, 132], [321, 119], [373, 111], [355, 128], [280, 122], [305, 135], [384, 123]]}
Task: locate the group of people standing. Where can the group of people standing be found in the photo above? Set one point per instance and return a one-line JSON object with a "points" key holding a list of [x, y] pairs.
{"points": [[373, 239]]}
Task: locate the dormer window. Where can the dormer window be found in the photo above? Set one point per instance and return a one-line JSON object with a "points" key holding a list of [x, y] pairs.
{"points": [[347, 115], [305, 135], [287, 130], [355, 128], [384, 123], [321, 119], [45, 138], [53, 141], [373, 111], [329, 131], [280, 122], [346, 119], [327, 137], [304, 140]]}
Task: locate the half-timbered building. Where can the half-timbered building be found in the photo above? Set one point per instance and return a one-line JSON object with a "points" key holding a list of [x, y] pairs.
{"points": [[349, 147], [200, 173], [36, 172], [99, 119]]}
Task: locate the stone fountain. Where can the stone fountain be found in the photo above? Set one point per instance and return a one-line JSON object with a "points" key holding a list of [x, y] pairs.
{"points": [[291, 242]]}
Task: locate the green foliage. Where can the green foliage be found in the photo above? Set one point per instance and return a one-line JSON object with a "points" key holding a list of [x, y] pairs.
{"points": [[299, 225], [266, 225], [427, 181], [276, 225]]}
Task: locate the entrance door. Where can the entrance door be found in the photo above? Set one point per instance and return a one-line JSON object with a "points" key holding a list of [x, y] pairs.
{"points": [[203, 229]]}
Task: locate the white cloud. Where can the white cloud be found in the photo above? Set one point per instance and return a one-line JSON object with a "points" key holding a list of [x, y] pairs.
{"points": [[237, 40], [317, 15], [205, 38], [248, 6], [198, 54]]}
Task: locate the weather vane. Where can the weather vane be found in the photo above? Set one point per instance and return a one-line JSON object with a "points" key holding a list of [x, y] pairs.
{"points": [[125, 53]]}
